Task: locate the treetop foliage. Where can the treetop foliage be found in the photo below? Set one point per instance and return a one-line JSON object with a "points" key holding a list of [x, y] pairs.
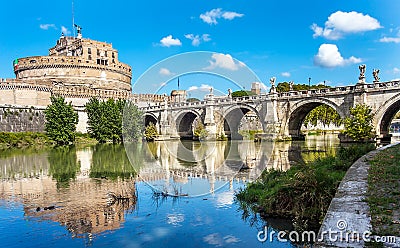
{"points": [[359, 125], [61, 120]]}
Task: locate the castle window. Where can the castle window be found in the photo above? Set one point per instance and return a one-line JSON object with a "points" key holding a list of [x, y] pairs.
{"points": [[89, 57], [89, 50], [98, 52], [105, 53], [113, 55], [32, 61], [113, 61]]}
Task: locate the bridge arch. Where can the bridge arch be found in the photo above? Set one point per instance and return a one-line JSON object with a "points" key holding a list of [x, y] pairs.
{"points": [[299, 111], [232, 118], [150, 117], [184, 122], [385, 114]]}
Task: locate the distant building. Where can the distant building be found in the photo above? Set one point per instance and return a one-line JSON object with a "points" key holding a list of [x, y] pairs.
{"points": [[256, 88], [178, 96]]}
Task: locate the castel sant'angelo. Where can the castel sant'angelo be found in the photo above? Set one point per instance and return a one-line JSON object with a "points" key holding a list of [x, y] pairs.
{"points": [[77, 69]]}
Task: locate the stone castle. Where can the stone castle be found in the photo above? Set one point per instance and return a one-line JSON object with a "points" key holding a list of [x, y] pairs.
{"points": [[77, 69]]}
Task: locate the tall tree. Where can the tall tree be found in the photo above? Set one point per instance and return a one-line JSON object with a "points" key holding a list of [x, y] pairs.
{"points": [[359, 125], [150, 132], [106, 120], [132, 122], [61, 120]]}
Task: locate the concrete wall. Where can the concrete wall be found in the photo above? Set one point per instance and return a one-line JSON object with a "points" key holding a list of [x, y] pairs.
{"points": [[21, 119], [24, 94]]}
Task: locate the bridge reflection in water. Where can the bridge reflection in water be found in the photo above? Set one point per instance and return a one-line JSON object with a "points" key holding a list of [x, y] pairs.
{"points": [[78, 188]]}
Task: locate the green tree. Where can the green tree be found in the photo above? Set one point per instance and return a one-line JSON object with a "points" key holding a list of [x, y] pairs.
{"points": [[323, 114], [133, 124], [285, 87], [105, 120], [359, 125], [61, 120], [150, 132], [193, 99], [199, 130], [241, 93]]}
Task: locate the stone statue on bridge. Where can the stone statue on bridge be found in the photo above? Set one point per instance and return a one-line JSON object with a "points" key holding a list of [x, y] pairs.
{"points": [[375, 73], [291, 85], [362, 73], [272, 82], [229, 93]]}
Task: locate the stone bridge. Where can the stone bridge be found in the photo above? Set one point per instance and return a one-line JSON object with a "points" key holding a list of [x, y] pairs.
{"points": [[281, 114]]}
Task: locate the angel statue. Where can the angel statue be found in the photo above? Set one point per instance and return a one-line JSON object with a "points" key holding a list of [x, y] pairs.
{"points": [[375, 73]]}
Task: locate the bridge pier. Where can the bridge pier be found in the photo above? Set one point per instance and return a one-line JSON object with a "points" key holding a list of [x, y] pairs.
{"points": [[209, 120]]}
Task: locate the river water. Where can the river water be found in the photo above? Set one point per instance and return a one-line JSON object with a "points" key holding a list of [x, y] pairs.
{"points": [[183, 196]]}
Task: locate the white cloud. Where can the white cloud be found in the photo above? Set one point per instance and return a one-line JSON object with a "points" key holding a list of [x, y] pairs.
{"points": [[390, 39], [203, 87], [206, 37], [165, 72], [285, 74], [169, 41], [341, 23], [197, 39], [224, 61], [213, 15], [47, 26], [229, 15], [396, 70], [329, 56], [65, 30]]}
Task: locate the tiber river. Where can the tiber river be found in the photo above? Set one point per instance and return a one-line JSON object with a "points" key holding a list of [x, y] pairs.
{"points": [[91, 196]]}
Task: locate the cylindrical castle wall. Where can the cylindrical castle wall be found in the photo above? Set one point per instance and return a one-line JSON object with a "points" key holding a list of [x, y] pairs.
{"points": [[73, 70]]}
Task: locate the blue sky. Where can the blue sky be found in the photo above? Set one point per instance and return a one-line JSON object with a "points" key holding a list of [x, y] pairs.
{"points": [[291, 40]]}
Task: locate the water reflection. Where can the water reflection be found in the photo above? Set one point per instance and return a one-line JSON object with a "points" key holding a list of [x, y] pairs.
{"points": [[60, 185], [178, 168], [94, 190]]}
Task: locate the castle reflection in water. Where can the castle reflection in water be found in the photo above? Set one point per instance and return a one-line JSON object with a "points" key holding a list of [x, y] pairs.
{"points": [[90, 190]]}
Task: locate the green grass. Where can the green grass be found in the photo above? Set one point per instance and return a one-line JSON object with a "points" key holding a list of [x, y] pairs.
{"points": [[84, 139], [249, 134], [303, 192], [37, 140], [23, 140], [384, 192]]}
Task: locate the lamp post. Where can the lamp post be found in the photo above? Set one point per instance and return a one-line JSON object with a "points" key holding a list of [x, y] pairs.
{"points": [[309, 83]]}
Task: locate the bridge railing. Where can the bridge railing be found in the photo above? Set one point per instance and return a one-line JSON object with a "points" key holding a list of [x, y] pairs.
{"points": [[301, 93]]}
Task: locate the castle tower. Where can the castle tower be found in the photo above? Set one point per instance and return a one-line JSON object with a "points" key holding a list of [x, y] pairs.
{"points": [[78, 62]]}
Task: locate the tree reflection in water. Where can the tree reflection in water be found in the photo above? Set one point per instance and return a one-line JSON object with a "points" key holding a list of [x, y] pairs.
{"points": [[63, 165]]}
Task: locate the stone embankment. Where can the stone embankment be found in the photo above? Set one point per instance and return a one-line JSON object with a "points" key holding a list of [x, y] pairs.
{"points": [[348, 218]]}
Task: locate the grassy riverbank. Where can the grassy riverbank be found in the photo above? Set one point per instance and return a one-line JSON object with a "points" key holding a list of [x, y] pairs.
{"points": [[24, 140], [384, 192], [36, 140], [303, 192]]}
